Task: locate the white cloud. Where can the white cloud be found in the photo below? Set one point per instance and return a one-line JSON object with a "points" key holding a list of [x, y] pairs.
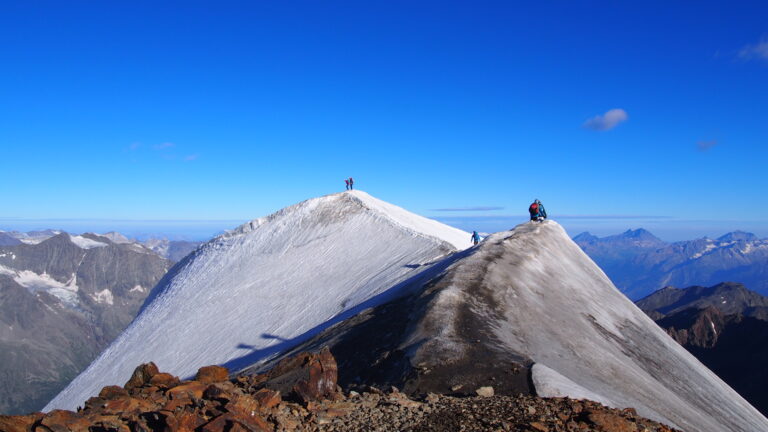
{"points": [[757, 51], [607, 121], [191, 157]]}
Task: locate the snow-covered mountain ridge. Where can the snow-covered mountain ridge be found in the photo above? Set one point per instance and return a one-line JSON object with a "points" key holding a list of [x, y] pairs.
{"points": [[527, 310], [269, 284]]}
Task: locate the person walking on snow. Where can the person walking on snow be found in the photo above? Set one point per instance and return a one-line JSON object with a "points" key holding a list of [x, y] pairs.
{"points": [[537, 211], [351, 183], [475, 238], [346, 181]]}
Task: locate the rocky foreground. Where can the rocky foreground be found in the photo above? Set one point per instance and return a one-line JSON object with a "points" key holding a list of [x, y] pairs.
{"points": [[301, 394]]}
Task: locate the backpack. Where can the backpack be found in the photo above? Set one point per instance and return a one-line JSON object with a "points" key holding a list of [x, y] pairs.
{"points": [[533, 209]]}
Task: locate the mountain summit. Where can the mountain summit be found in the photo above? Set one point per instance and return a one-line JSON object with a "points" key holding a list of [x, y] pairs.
{"points": [[269, 284], [527, 310]]}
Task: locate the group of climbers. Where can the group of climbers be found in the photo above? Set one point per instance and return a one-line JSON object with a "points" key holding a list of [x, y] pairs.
{"points": [[536, 210]]}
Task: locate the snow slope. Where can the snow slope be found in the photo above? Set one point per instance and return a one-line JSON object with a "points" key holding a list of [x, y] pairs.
{"points": [[529, 300], [268, 285], [562, 312]]}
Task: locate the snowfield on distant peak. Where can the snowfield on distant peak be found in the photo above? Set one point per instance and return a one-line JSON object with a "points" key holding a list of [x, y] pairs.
{"points": [[269, 284], [85, 242]]}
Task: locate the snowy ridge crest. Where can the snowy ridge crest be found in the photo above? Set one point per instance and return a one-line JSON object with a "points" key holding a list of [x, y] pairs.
{"points": [[270, 284], [386, 212]]}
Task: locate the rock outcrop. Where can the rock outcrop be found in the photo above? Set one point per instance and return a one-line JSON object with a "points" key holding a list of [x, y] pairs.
{"points": [[312, 401]]}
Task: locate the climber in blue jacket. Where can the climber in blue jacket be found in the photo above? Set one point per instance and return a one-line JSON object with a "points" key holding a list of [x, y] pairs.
{"points": [[475, 237], [537, 211]]}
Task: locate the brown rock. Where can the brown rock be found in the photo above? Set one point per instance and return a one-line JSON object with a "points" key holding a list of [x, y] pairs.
{"points": [[236, 427], [244, 406], [251, 424], [212, 374], [323, 374], [21, 423], [191, 389], [126, 406], [161, 421], [216, 392], [112, 392], [164, 380], [107, 423], [155, 396], [174, 404], [539, 426], [286, 423], [92, 404], [219, 424], [189, 421], [141, 376], [267, 398], [610, 422], [232, 421], [630, 411], [64, 421]]}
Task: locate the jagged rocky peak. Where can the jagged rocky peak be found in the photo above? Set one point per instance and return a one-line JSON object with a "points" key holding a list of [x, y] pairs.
{"points": [[272, 283], [738, 236], [641, 234]]}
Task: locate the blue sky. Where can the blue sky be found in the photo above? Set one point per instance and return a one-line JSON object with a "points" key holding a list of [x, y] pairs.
{"points": [[635, 112]]}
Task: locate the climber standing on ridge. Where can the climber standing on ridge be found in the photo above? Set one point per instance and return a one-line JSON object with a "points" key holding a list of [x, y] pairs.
{"points": [[537, 211], [475, 238], [346, 181], [351, 183]]}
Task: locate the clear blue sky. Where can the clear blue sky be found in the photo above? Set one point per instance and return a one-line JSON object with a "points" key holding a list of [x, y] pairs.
{"points": [[231, 110]]}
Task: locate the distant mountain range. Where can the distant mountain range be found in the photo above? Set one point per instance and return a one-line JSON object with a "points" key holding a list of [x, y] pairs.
{"points": [[725, 326], [63, 298], [173, 250], [639, 263]]}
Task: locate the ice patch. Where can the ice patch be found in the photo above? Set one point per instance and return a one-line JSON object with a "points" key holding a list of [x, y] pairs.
{"points": [[137, 288], [34, 238], [85, 243], [116, 237], [6, 271], [66, 292], [104, 296], [707, 248]]}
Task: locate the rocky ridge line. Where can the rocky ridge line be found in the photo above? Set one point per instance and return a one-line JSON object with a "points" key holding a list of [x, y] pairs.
{"points": [[301, 394]]}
